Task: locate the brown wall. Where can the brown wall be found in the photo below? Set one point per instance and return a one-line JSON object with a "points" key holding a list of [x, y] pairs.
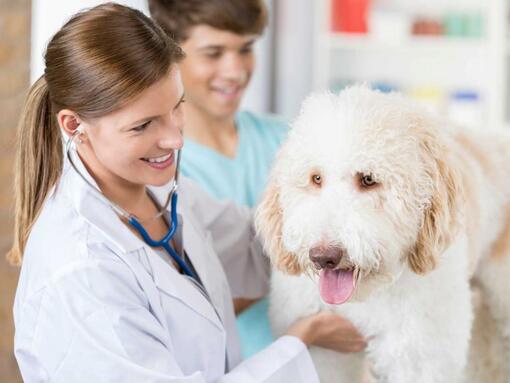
{"points": [[14, 80]]}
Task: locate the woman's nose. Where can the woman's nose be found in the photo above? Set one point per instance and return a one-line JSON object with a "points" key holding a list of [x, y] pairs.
{"points": [[171, 138], [171, 143]]}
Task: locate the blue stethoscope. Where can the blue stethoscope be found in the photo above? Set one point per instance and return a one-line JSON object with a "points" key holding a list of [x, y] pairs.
{"points": [[165, 241], [135, 222]]}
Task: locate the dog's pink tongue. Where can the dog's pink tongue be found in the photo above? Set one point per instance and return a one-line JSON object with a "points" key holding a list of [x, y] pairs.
{"points": [[336, 286]]}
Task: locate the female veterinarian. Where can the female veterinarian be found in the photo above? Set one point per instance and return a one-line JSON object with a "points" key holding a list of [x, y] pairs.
{"points": [[119, 283]]}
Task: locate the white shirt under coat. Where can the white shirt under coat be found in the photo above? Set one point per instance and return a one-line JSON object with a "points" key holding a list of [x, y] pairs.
{"points": [[96, 304]]}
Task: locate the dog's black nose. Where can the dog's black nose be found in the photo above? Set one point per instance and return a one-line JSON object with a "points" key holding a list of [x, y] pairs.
{"points": [[326, 257]]}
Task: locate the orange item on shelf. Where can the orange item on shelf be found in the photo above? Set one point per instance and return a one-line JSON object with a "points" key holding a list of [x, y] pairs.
{"points": [[349, 16]]}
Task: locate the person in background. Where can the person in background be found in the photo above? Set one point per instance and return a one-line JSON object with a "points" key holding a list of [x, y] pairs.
{"points": [[227, 150]]}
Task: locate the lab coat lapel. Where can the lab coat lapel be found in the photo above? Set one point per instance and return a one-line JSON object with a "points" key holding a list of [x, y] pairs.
{"points": [[199, 248], [201, 255], [166, 278], [96, 210], [172, 283]]}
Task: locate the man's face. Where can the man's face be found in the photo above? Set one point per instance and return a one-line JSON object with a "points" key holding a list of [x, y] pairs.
{"points": [[216, 70]]}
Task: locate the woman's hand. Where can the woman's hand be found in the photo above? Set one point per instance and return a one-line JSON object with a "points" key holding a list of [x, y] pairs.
{"points": [[328, 330]]}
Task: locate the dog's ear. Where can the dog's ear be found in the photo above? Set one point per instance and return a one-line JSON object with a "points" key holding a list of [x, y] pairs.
{"points": [[441, 216], [268, 223]]}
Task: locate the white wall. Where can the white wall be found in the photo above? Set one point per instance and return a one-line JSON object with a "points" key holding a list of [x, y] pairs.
{"points": [[49, 16], [293, 54], [258, 95]]}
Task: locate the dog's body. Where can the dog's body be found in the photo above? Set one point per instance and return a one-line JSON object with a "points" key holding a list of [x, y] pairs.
{"points": [[418, 210]]}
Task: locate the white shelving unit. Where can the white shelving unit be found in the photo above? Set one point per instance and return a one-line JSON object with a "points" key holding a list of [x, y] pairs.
{"points": [[443, 62], [367, 43]]}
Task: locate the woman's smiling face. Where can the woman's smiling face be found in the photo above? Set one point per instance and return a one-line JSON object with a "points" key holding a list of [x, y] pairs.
{"points": [[136, 144]]}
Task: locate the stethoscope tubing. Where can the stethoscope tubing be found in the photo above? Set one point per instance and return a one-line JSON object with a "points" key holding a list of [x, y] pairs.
{"points": [[165, 241]]}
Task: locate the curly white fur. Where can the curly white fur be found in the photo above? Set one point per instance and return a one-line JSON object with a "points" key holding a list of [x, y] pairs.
{"points": [[433, 221]]}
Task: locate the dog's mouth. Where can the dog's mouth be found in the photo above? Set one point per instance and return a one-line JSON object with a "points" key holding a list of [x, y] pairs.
{"points": [[336, 286]]}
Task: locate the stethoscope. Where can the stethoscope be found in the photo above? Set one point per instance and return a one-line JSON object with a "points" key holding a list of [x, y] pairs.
{"points": [[135, 222]]}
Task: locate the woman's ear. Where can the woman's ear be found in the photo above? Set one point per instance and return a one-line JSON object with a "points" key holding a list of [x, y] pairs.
{"points": [[68, 121], [441, 217], [268, 223]]}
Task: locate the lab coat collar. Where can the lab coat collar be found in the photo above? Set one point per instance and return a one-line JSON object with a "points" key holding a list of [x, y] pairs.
{"points": [[97, 210]]}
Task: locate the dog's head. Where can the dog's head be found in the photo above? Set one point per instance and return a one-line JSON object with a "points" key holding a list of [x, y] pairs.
{"points": [[363, 188]]}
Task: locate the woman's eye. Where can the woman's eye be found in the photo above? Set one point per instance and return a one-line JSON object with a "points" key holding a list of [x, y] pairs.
{"points": [[367, 180], [142, 127]]}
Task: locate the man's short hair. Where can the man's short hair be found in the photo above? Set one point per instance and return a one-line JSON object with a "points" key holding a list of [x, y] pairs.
{"points": [[177, 17]]}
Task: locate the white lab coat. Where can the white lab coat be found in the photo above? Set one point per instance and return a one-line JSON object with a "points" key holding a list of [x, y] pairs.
{"points": [[96, 304]]}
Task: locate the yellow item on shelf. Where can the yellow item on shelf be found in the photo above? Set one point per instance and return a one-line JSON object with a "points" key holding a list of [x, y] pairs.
{"points": [[432, 97]]}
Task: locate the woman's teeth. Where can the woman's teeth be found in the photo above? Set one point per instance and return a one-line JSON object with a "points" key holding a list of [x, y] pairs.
{"points": [[158, 159]]}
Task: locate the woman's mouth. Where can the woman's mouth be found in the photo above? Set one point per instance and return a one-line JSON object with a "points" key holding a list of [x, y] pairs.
{"points": [[161, 162]]}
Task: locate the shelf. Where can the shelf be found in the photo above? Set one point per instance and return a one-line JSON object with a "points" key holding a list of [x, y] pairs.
{"points": [[448, 45], [395, 56]]}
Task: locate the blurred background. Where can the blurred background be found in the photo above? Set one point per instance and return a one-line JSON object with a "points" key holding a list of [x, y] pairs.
{"points": [[14, 80], [451, 55]]}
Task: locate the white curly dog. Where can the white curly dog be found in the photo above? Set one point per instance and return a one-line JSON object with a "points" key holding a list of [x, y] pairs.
{"points": [[401, 213]]}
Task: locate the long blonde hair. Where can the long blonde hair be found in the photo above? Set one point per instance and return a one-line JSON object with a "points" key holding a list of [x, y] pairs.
{"points": [[99, 60]]}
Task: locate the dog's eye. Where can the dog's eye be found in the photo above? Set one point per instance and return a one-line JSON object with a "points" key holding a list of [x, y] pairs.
{"points": [[367, 180], [317, 179]]}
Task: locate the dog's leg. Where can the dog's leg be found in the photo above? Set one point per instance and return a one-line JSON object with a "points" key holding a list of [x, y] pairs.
{"points": [[438, 357], [427, 325], [493, 274]]}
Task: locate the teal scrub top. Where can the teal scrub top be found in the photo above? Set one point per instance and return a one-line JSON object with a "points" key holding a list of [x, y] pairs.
{"points": [[242, 179]]}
